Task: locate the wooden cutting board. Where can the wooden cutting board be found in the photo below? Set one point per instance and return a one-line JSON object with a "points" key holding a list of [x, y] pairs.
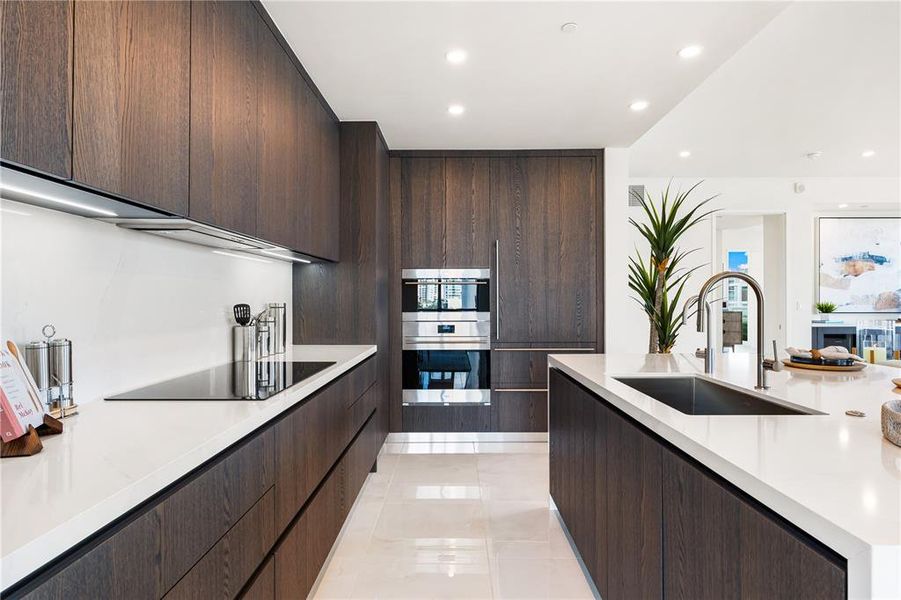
{"points": [[854, 367]]}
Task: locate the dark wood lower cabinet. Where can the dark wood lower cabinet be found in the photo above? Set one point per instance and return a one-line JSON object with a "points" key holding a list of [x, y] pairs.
{"points": [[446, 418], [701, 534], [263, 585], [240, 525], [304, 548], [222, 572], [519, 409], [650, 522], [125, 566]]}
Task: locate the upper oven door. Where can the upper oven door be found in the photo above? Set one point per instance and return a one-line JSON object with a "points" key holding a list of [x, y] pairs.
{"points": [[446, 294]]}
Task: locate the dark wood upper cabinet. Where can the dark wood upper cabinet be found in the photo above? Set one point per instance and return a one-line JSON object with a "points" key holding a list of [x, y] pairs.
{"points": [[467, 213], [280, 179], [225, 77], [322, 229], [132, 100], [543, 214], [422, 204], [36, 84]]}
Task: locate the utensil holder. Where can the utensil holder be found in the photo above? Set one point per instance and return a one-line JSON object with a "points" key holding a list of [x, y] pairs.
{"points": [[244, 343]]}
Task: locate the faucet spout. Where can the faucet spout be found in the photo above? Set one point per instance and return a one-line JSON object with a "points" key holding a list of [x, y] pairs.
{"points": [[758, 293]]}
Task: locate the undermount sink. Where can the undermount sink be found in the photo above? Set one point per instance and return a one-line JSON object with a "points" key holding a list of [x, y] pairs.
{"points": [[697, 396]]}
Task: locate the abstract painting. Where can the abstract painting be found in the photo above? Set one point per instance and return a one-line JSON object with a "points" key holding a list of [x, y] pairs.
{"points": [[860, 263]]}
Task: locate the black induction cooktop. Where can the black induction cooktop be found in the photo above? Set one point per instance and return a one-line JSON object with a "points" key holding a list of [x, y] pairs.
{"points": [[233, 381]]}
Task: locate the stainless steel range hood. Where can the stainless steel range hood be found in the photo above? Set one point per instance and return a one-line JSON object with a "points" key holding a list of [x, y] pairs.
{"points": [[48, 193]]}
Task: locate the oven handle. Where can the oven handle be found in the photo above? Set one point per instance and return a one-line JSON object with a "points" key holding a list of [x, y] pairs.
{"points": [[441, 345], [446, 282]]}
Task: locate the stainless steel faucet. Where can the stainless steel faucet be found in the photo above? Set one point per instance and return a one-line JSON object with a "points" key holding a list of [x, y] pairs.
{"points": [[758, 293], [708, 355]]}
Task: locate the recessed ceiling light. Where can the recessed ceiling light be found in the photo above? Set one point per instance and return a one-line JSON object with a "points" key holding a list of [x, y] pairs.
{"points": [[456, 109], [843, 205], [684, 154], [569, 27], [456, 56], [691, 51], [868, 153], [639, 105]]}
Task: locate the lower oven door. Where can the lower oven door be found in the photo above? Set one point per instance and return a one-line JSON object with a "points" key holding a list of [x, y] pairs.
{"points": [[443, 377]]}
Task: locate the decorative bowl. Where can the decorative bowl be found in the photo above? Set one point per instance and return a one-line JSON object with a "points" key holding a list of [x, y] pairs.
{"points": [[891, 421]]}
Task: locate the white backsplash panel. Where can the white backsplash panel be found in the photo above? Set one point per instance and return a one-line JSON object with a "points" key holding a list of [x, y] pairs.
{"points": [[138, 308]]}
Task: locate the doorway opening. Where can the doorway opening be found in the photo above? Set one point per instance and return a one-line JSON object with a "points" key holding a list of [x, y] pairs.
{"points": [[752, 243]]}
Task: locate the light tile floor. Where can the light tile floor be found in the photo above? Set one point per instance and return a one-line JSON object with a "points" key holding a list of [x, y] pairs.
{"points": [[454, 518]]}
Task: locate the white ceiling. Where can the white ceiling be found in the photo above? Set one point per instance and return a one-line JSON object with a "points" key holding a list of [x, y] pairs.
{"points": [[821, 76], [526, 84]]}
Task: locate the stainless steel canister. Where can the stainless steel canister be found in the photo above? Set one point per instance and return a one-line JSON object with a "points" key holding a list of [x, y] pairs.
{"points": [[278, 312], [244, 343], [37, 359], [61, 374], [61, 361]]}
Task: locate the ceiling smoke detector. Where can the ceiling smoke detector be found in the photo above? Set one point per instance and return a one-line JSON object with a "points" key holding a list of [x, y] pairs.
{"points": [[569, 27], [813, 155]]}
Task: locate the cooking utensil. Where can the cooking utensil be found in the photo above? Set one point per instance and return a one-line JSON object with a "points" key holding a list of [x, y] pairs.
{"points": [[242, 314]]}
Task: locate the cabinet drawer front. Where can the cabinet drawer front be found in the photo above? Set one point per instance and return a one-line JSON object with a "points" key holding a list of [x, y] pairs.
{"points": [[306, 544], [224, 570], [125, 565], [313, 435], [526, 365], [360, 379], [358, 462], [519, 409], [195, 516], [263, 587]]}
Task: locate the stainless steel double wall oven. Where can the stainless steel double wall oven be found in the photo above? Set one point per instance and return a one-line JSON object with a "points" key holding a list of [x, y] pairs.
{"points": [[446, 336]]}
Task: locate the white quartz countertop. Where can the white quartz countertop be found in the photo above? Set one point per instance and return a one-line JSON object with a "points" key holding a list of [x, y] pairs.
{"points": [[832, 475], [114, 455]]}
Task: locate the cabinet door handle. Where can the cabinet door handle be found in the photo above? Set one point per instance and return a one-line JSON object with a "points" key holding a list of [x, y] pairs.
{"points": [[537, 390], [497, 289]]}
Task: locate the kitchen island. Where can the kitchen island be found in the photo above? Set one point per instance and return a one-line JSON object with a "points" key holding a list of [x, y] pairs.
{"points": [[661, 503], [143, 499]]}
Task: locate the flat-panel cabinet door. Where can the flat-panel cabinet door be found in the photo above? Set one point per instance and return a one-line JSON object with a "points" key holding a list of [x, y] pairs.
{"points": [[422, 193], [132, 100], [780, 564], [280, 180], [318, 162], [634, 509], [544, 218], [701, 547], [467, 213], [225, 74], [36, 84]]}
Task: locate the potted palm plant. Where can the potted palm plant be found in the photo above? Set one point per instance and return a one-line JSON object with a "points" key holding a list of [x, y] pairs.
{"points": [[659, 280]]}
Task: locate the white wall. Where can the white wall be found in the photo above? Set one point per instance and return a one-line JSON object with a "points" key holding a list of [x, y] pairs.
{"points": [[627, 325], [138, 309]]}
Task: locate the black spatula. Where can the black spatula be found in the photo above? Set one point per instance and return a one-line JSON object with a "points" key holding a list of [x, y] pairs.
{"points": [[242, 314]]}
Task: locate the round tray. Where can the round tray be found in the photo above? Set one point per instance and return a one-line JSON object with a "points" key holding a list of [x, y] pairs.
{"points": [[855, 367]]}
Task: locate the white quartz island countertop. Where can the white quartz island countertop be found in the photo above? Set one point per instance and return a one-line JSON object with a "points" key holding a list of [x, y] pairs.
{"points": [[832, 475], [112, 456]]}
